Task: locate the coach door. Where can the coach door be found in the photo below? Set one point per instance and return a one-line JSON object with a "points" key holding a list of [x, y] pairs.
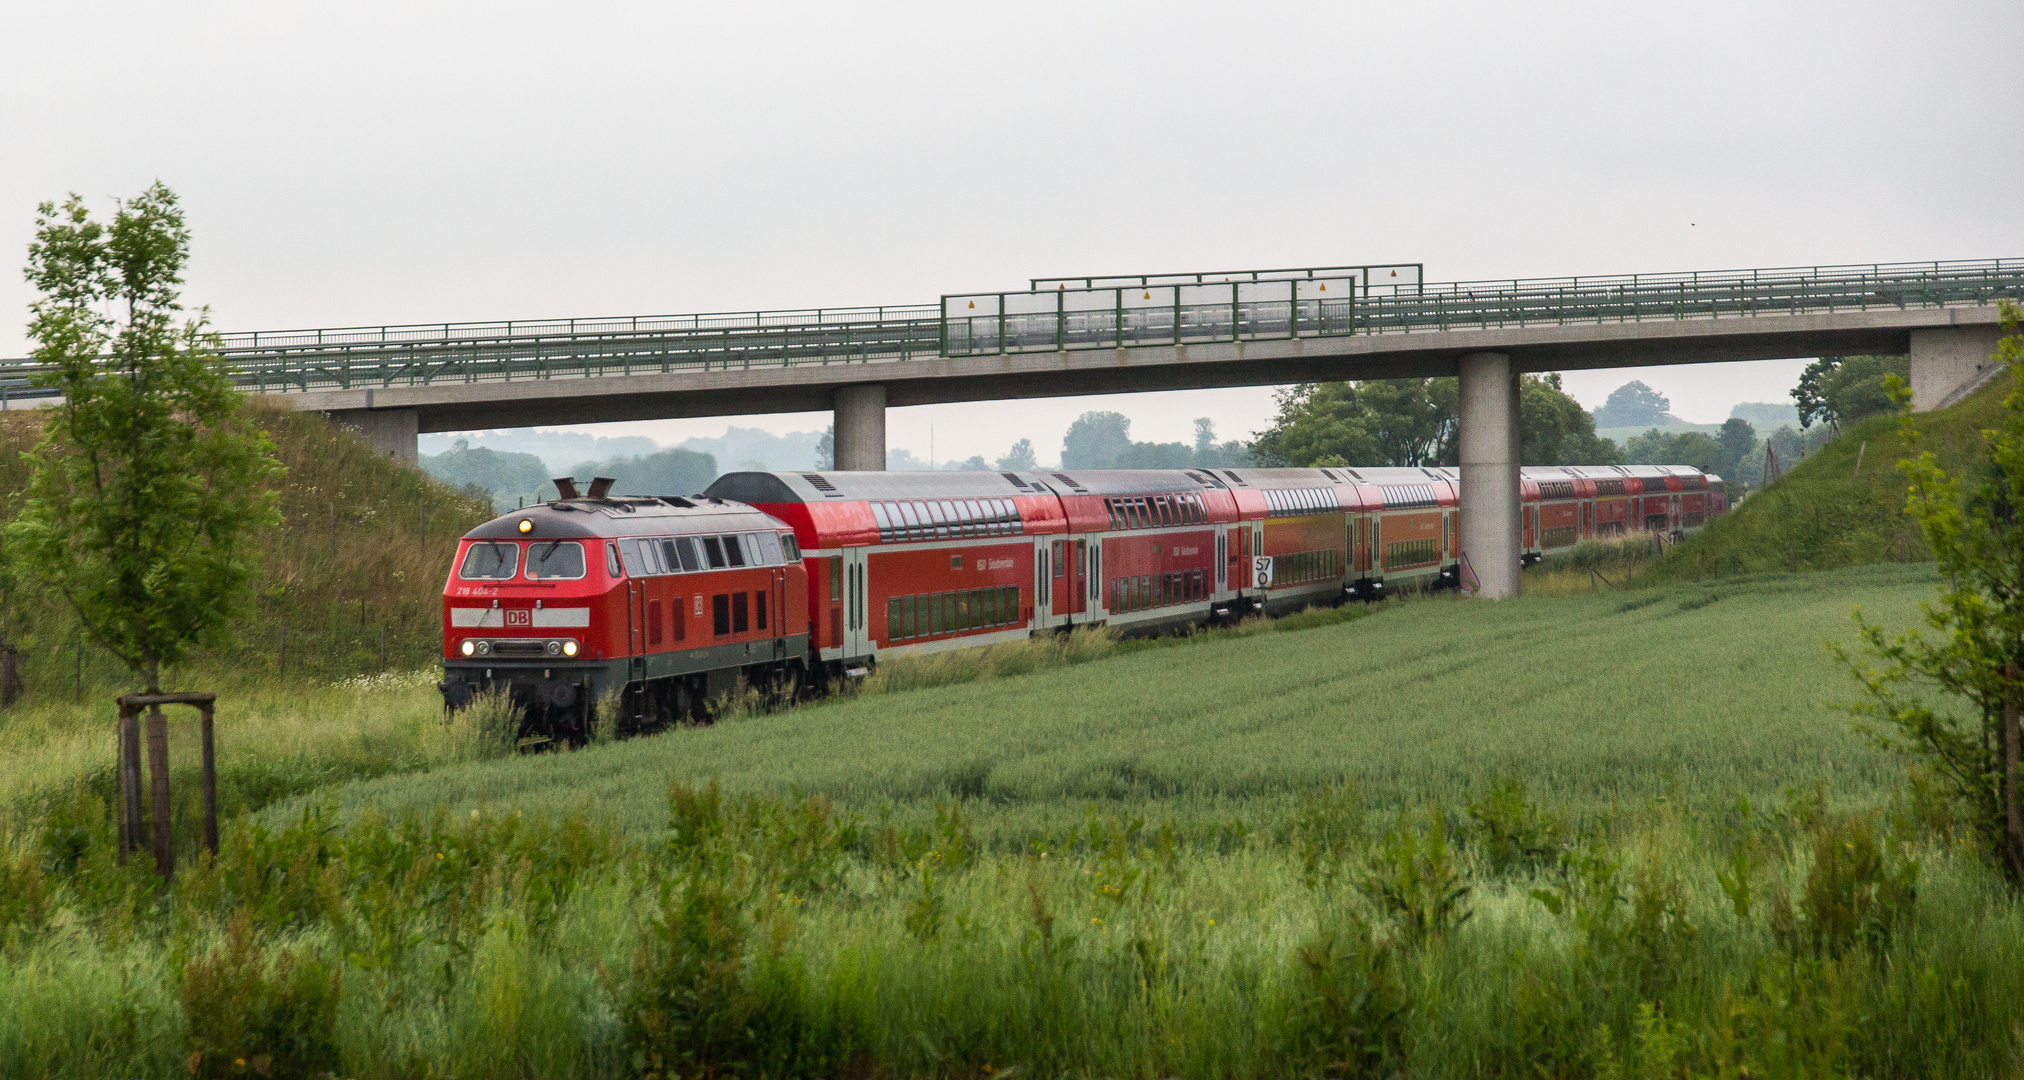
{"points": [[1043, 581], [636, 613], [777, 619], [856, 608]]}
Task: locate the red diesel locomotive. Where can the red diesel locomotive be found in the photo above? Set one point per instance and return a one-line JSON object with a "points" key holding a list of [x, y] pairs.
{"points": [[773, 579]]}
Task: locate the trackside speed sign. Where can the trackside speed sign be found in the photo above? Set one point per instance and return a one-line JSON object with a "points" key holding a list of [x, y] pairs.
{"points": [[1261, 572]]}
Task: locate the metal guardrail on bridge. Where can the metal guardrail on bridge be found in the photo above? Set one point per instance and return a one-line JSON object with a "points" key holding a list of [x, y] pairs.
{"points": [[1069, 313]]}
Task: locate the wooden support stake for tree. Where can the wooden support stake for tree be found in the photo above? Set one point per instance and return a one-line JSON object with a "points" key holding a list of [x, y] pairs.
{"points": [[383, 646], [2013, 799], [284, 651], [158, 789], [129, 783], [210, 780], [1858, 460]]}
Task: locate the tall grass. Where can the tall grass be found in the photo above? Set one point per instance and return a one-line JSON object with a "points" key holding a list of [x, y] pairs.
{"points": [[757, 936]]}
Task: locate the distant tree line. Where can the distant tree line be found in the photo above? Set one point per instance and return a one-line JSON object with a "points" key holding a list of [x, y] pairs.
{"points": [[1412, 422], [510, 478]]}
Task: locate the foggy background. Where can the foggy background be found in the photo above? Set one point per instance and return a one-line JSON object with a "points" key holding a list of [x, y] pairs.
{"points": [[375, 163]]}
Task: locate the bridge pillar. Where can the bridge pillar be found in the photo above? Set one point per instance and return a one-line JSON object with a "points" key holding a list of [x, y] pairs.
{"points": [[1949, 361], [394, 431], [1489, 453], [860, 428]]}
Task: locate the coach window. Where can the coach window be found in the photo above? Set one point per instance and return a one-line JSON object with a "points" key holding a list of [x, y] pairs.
{"points": [[952, 513], [909, 525], [720, 613], [713, 549], [939, 525], [885, 525], [732, 553], [611, 567], [1141, 514], [741, 613], [556, 560], [981, 514]]}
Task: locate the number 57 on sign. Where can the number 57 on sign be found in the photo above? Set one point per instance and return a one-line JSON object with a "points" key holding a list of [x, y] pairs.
{"points": [[1261, 572]]}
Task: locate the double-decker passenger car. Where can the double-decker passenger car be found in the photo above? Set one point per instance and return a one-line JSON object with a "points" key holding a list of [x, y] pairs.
{"points": [[664, 602]]}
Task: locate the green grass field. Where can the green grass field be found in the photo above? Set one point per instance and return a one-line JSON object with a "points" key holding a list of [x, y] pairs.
{"points": [[1282, 849], [1596, 701]]}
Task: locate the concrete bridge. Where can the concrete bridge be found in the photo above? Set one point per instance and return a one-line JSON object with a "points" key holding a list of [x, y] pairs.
{"points": [[1076, 336]]}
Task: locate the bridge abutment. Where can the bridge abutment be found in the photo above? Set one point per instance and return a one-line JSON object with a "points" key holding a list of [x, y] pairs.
{"points": [[860, 438], [1949, 361], [1489, 453], [394, 431]]}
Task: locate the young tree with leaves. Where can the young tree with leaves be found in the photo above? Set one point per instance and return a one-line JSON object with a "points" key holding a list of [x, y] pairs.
{"points": [[1968, 732], [150, 480]]}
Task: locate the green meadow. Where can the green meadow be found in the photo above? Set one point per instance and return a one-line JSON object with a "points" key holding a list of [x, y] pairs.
{"points": [[1598, 701], [1611, 833]]}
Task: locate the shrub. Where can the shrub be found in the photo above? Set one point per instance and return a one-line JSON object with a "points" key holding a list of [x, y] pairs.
{"points": [[1416, 879], [1350, 1014], [252, 1016], [1512, 830], [1857, 892]]}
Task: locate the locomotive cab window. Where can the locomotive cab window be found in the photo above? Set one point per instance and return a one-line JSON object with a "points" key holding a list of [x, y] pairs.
{"points": [[685, 550], [732, 553], [490, 561], [713, 549], [557, 560], [611, 564], [769, 548], [791, 547]]}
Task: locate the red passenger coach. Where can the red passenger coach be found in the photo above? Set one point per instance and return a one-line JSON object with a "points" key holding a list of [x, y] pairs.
{"points": [[915, 562], [665, 601]]}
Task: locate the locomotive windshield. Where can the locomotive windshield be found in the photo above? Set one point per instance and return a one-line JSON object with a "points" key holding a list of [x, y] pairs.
{"points": [[556, 560], [490, 561]]}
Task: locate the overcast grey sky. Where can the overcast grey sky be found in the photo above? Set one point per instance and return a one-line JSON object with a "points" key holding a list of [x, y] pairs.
{"points": [[369, 162]]}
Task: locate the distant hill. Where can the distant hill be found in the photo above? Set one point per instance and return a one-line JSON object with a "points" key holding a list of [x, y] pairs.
{"points": [[558, 450], [1767, 416], [751, 450], [1667, 423]]}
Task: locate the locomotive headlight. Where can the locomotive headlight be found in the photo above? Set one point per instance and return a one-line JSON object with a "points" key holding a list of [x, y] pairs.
{"points": [[526, 526], [468, 647], [569, 648]]}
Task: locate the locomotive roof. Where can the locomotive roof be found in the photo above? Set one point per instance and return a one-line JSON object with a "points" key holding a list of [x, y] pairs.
{"points": [[625, 516]]}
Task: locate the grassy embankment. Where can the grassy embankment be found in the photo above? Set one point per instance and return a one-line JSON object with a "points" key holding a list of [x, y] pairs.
{"points": [[395, 533], [365, 544]]}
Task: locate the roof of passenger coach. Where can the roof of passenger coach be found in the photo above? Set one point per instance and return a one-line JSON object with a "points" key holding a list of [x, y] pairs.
{"points": [[834, 508], [625, 516], [821, 487]]}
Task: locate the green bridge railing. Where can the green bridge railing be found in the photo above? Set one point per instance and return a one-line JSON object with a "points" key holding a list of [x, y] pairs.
{"points": [[1056, 314]]}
